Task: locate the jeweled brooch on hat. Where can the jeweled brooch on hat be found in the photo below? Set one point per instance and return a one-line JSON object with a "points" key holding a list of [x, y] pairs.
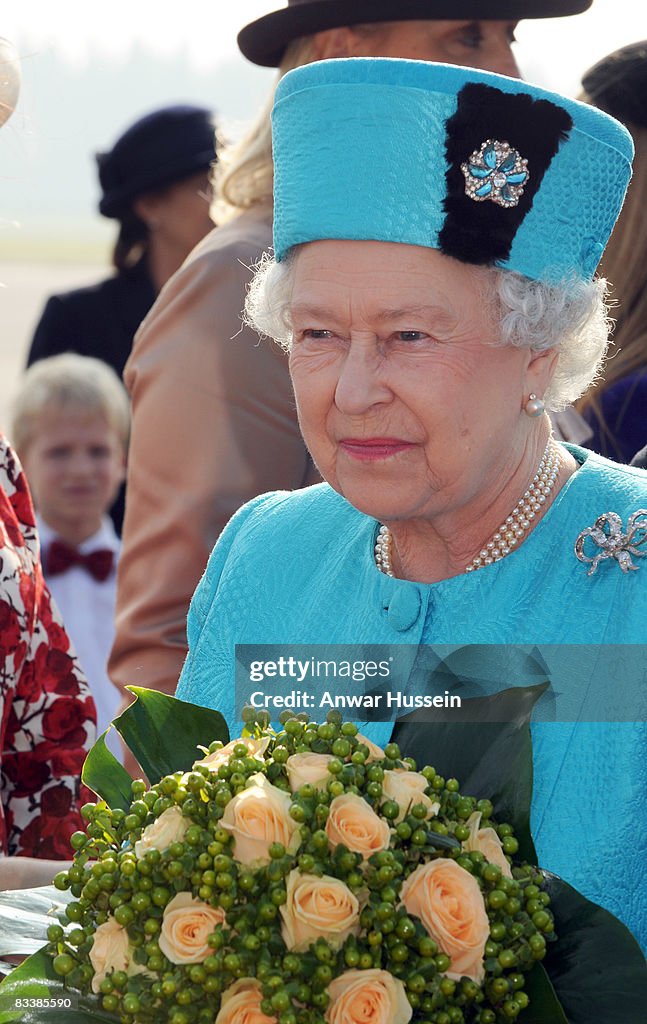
{"points": [[607, 533], [497, 172]]}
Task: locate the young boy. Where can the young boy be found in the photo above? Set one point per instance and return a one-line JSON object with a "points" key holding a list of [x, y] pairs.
{"points": [[70, 428]]}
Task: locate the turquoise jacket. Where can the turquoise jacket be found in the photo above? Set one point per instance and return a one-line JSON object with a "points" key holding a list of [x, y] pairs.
{"points": [[298, 568]]}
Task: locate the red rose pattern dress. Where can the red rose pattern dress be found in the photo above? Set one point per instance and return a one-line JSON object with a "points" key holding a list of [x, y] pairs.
{"points": [[48, 718]]}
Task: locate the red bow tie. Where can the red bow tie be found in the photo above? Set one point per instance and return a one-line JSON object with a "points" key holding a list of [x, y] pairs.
{"points": [[62, 556]]}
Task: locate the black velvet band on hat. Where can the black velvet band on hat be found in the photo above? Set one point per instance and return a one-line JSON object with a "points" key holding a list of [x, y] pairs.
{"points": [[483, 232]]}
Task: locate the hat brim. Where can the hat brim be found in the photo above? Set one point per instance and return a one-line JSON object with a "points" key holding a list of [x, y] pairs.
{"points": [[264, 41], [118, 201]]}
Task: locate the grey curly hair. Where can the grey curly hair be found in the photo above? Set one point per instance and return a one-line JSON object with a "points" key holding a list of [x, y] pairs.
{"points": [[571, 317]]}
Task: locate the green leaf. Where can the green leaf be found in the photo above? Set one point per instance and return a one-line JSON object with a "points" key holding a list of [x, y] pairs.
{"points": [[596, 966], [106, 777], [163, 733], [36, 979], [487, 747], [440, 842], [545, 1007]]}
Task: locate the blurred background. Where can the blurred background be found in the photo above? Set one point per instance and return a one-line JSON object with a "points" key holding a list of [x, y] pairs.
{"points": [[89, 70]]}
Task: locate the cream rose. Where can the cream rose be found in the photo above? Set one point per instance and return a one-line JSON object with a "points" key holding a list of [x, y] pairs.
{"points": [[258, 817], [368, 997], [318, 907], [241, 1004], [255, 748], [448, 901], [375, 753], [169, 828], [353, 823], [110, 951], [186, 925], [308, 768], [407, 788], [487, 842]]}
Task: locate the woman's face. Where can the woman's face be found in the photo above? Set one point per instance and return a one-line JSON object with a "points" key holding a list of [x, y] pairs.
{"points": [[405, 407], [179, 216]]}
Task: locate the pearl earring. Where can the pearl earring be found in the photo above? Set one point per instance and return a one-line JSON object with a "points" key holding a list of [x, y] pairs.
{"points": [[534, 406]]}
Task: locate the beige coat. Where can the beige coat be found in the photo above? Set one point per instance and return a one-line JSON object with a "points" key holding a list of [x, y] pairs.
{"points": [[214, 424]]}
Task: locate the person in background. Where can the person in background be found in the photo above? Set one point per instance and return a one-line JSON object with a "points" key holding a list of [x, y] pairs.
{"points": [[200, 380], [70, 428], [155, 183], [616, 407], [47, 715]]}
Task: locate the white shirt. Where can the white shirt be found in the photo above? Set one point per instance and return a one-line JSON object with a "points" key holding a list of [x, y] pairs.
{"points": [[88, 610]]}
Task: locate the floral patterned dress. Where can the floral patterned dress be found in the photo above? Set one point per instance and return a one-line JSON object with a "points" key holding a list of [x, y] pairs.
{"points": [[47, 722]]}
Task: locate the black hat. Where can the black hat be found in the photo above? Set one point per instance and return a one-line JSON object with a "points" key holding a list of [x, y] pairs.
{"points": [[159, 149], [618, 83], [264, 40]]}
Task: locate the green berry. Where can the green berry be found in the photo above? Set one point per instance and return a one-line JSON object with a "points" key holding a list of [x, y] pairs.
{"points": [[485, 807], [63, 964], [541, 919], [341, 748], [405, 928], [496, 899], [427, 947], [131, 1003], [124, 915], [507, 958], [399, 952], [500, 987]]}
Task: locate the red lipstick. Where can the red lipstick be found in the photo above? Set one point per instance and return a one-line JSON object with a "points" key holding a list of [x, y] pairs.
{"points": [[371, 449]]}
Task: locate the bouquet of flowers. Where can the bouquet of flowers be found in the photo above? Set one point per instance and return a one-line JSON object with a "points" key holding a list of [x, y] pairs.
{"points": [[299, 876]]}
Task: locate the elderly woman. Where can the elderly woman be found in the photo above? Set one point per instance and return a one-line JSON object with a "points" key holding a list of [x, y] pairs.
{"points": [[436, 235]]}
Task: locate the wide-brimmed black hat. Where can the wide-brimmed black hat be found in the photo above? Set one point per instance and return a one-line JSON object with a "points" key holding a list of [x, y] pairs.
{"points": [[264, 40], [157, 150], [618, 83]]}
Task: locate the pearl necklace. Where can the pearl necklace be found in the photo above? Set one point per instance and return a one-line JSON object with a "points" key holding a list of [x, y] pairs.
{"points": [[511, 530]]}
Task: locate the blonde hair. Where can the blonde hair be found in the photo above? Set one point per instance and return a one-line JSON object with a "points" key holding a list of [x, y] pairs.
{"points": [[244, 173], [69, 381], [624, 264]]}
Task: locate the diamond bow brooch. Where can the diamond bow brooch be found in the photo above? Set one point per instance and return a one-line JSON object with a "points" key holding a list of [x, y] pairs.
{"points": [[607, 533]]}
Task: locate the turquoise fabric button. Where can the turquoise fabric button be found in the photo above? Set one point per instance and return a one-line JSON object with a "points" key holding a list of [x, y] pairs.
{"points": [[404, 608]]}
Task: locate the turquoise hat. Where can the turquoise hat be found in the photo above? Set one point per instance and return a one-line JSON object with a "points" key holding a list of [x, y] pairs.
{"points": [[487, 169]]}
